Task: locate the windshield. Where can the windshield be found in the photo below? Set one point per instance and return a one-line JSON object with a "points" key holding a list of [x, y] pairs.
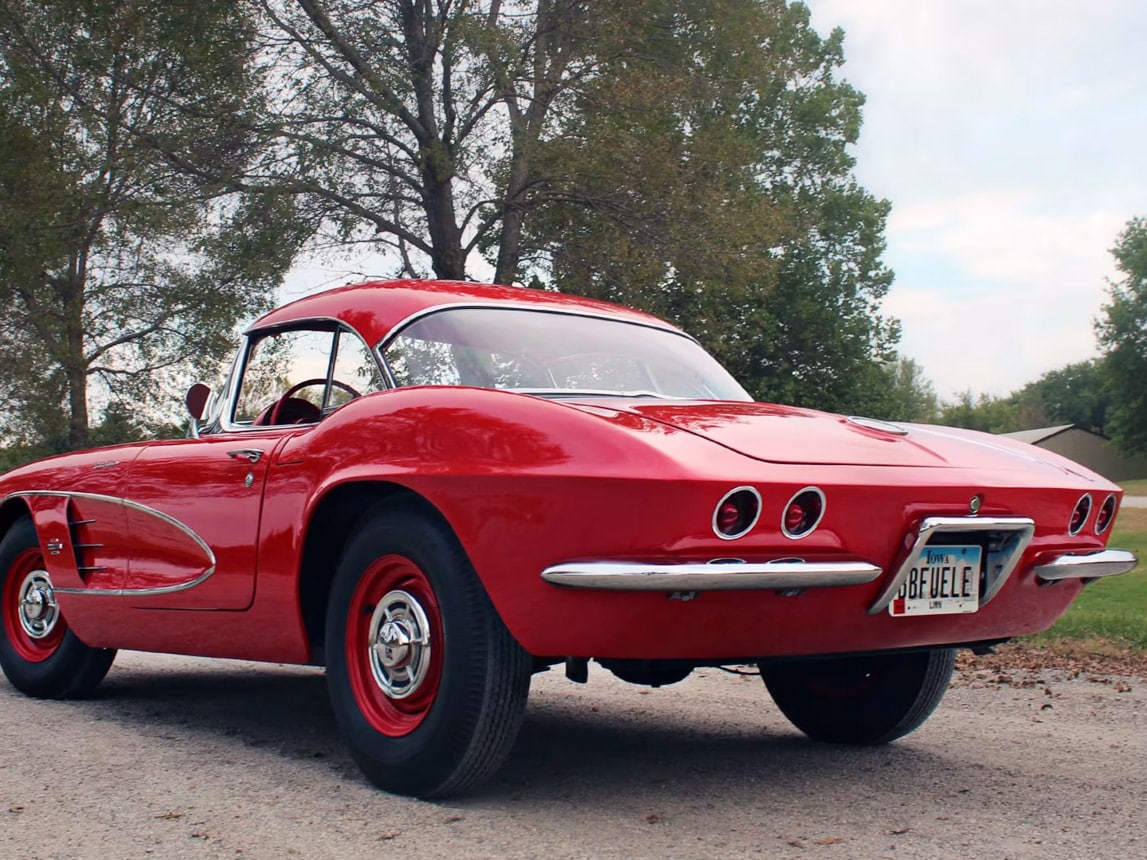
{"points": [[554, 354]]}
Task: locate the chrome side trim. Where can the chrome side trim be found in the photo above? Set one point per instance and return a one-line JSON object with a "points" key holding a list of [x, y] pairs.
{"points": [[725, 575], [1107, 562], [1001, 561], [136, 506]]}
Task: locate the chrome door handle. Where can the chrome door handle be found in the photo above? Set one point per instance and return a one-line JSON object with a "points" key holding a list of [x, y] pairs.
{"points": [[252, 454]]}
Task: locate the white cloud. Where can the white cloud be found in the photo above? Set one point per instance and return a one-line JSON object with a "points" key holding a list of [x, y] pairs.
{"points": [[1007, 134], [1010, 238]]}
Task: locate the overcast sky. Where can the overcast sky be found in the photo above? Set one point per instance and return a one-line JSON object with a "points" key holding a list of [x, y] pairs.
{"points": [[1011, 138]]}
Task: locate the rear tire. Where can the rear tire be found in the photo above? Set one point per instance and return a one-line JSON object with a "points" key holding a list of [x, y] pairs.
{"points": [[39, 653], [427, 684], [867, 700]]}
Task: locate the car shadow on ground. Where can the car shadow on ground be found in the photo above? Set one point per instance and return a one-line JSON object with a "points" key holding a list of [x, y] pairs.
{"points": [[569, 750]]}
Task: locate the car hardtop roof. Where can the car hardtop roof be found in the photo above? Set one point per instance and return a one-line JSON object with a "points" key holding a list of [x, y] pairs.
{"points": [[374, 308]]}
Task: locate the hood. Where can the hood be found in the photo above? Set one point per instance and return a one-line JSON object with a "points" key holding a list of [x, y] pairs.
{"points": [[786, 434]]}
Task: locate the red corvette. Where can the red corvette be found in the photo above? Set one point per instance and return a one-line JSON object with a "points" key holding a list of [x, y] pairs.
{"points": [[435, 489]]}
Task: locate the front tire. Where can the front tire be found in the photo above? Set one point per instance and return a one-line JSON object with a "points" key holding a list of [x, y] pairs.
{"points": [[427, 684], [866, 700], [39, 653]]}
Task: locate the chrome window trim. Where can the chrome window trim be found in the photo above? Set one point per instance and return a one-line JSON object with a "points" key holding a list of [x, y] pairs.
{"points": [[719, 575], [128, 503], [397, 328], [1021, 529], [239, 367]]}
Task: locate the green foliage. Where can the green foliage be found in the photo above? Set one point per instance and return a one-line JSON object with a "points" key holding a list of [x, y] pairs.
{"points": [[1122, 331], [908, 395], [703, 174], [1073, 394], [123, 262], [987, 413]]}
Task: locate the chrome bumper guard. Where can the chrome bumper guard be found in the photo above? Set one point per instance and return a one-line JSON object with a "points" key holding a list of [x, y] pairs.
{"points": [[1007, 537], [1092, 565], [723, 575]]}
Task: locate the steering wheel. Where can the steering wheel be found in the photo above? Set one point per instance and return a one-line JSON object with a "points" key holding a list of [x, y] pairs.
{"points": [[309, 412]]}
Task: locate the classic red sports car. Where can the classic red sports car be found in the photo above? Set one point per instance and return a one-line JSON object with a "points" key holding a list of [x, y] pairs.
{"points": [[436, 489]]}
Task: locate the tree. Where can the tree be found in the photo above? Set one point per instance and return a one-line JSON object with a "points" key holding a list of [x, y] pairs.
{"points": [[908, 394], [1073, 394], [704, 175], [411, 125], [1122, 330], [685, 156], [118, 268], [987, 413]]}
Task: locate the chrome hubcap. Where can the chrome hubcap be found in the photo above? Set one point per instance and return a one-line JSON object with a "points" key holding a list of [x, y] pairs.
{"points": [[37, 605], [399, 643]]}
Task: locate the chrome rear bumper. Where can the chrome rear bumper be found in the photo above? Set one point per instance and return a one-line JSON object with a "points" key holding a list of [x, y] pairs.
{"points": [[1107, 562], [712, 576]]}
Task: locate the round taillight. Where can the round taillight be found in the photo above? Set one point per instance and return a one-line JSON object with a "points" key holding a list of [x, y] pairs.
{"points": [[1106, 515], [794, 516], [803, 513], [736, 513], [1079, 514]]}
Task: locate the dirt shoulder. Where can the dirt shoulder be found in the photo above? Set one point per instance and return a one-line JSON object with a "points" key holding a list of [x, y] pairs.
{"points": [[1016, 662]]}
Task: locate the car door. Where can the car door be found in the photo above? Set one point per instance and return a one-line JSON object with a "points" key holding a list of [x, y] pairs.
{"points": [[195, 504]]}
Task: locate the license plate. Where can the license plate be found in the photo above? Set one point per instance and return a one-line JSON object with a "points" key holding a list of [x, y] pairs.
{"points": [[944, 580]]}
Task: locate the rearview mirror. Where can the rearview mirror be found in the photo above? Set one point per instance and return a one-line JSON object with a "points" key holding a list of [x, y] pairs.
{"points": [[198, 396], [196, 400]]}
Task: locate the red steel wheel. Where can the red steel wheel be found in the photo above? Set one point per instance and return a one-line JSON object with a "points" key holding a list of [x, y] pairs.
{"points": [[394, 645], [32, 619], [39, 653], [426, 683]]}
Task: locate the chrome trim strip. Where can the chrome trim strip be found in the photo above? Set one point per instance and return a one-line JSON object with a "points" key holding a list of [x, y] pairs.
{"points": [[1107, 562], [712, 576], [478, 304], [1003, 561], [136, 506]]}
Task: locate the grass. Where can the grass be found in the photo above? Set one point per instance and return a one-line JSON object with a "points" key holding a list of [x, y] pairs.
{"points": [[1111, 613], [1135, 488]]}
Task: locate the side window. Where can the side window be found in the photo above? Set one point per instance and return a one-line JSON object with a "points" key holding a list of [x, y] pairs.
{"points": [[284, 378], [355, 372]]}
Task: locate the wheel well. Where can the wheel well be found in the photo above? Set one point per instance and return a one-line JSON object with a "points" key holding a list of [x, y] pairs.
{"points": [[10, 512], [331, 525]]}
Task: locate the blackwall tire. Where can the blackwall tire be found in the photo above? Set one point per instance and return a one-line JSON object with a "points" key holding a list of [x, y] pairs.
{"points": [[427, 685], [39, 653], [868, 700]]}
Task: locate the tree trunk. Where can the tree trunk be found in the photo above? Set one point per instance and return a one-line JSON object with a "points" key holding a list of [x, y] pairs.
{"points": [[77, 406], [73, 361], [447, 256], [510, 246]]}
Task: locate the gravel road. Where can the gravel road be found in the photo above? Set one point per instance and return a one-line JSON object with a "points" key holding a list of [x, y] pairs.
{"points": [[184, 758]]}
